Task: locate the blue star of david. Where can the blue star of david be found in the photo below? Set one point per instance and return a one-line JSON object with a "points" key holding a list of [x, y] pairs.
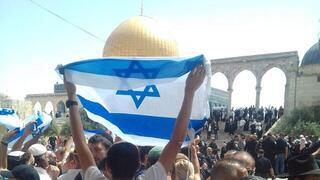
{"points": [[135, 67], [138, 96]]}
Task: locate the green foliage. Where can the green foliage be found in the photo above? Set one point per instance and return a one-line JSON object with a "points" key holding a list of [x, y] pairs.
{"points": [[87, 123], [65, 129], [53, 130], [301, 121]]}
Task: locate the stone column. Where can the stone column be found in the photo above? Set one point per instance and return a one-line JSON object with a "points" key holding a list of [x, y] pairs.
{"points": [[290, 93], [230, 90], [286, 99], [258, 91]]}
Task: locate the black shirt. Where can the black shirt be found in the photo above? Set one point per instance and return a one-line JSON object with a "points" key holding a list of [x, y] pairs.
{"points": [[269, 148], [232, 145], [52, 140], [263, 165], [281, 146], [251, 147], [213, 145]]}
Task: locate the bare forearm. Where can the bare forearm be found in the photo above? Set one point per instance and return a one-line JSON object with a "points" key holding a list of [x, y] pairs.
{"points": [[195, 162], [3, 156], [76, 127], [272, 173], [181, 126], [18, 144], [86, 158], [180, 129]]}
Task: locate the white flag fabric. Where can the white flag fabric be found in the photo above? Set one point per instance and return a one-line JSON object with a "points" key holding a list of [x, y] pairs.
{"points": [[138, 99]]}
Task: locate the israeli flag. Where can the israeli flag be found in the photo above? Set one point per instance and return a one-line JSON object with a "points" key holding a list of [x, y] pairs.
{"points": [[138, 99], [10, 120]]}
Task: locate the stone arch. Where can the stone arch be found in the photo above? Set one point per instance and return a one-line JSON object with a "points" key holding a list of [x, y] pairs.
{"points": [[49, 109], [219, 76], [61, 109], [275, 89], [37, 107], [243, 70], [251, 87], [271, 66]]}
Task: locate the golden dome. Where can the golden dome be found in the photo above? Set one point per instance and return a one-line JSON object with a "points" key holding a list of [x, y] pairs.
{"points": [[140, 36]]}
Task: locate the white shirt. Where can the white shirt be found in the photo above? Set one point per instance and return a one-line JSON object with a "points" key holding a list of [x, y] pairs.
{"points": [[155, 172], [259, 128], [242, 122], [70, 174], [42, 173]]}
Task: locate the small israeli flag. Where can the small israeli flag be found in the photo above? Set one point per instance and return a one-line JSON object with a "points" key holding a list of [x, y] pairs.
{"points": [[10, 120], [138, 99]]}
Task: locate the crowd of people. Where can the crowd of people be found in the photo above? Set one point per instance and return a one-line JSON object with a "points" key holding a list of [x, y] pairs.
{"points": [[243, 120], [104, 157], [269, 155]]}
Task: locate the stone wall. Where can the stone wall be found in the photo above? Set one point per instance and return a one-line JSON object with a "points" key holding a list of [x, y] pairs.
{"points": [[23, 108], [308, 91]]}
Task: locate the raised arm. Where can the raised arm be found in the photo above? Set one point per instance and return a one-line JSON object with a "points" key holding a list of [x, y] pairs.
{"points": [[194, 158], [4, 148], [85, 156], [67, 150], [170, 151]]}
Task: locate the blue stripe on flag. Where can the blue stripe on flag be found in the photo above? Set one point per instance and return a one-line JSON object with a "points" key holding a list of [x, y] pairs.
{"points": [[6, 111], [141, 125], [151, 68]]}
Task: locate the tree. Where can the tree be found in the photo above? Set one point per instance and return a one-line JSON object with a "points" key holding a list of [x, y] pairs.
{"points": [[304, 120], [53, 130], [65, 129], [87, 123]]}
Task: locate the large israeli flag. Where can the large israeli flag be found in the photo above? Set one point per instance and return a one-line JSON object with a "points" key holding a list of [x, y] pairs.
{"points": [[10, 120], [138, 99]]}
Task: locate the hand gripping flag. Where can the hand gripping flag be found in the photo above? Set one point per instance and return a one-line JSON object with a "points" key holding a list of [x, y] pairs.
{"points": [[138, 99]]}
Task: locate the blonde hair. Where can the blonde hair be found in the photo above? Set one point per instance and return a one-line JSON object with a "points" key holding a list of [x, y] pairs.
{"points": [[183, 168]]}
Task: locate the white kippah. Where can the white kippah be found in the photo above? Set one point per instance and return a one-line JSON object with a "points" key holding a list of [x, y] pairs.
{"points": [[37, 149], [16, 153]]}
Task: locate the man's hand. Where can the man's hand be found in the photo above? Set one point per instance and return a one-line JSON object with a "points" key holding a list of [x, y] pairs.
{"points": [[194, 145], [195, 79]]}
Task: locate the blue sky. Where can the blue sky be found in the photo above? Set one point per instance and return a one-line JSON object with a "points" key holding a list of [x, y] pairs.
{"points": [[33, 42]]}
